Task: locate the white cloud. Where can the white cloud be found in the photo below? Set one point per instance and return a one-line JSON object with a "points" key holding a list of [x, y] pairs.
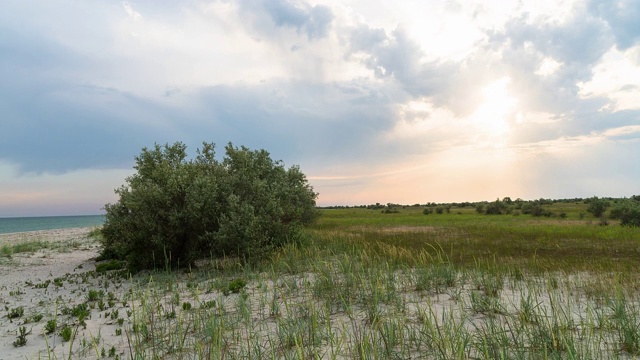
{"points": [[130, 11], [402, 91], [617, 78], [548, 67]]}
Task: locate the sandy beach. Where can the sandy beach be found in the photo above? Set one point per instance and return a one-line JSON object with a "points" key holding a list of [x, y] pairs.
{"points": [[37, 286]]}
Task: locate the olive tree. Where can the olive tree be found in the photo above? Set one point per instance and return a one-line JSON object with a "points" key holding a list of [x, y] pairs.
{"points": [[174, 210]]}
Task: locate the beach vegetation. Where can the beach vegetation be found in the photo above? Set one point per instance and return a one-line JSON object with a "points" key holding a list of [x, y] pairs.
{"points": [[16, 312], [174, 210], [51, 326], [66, 332], [369, 285], [21, 340], [109, 265]]}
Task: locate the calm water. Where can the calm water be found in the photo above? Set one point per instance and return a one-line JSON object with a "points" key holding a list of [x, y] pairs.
{"points": [[19, 224]]}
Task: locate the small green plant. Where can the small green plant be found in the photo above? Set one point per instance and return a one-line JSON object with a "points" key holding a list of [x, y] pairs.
{"points": [[236, 285], [81, 311], [16, 292], [22, 337], [66, 333], [109, 265], [95, 295], [42, 285], [37, 317], [208, 304], [186, 306], [51, 326], [16, 312]]}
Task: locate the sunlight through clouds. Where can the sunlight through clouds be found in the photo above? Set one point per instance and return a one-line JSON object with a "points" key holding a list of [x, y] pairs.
{"points": [[492, 118], [377, 101]]}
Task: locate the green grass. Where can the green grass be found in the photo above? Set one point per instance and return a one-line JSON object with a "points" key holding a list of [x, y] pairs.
{"points": [[374, 285], [23, 247], [534, 243]]}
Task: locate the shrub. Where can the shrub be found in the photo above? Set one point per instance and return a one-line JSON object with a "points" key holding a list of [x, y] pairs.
{"points": [[628, 212], [496, 208], [597, 206], [174, 210], [535, 209]]}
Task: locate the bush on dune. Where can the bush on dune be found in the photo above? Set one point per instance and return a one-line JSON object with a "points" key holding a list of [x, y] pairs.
{"points": [[628, 211], [174, 211]]}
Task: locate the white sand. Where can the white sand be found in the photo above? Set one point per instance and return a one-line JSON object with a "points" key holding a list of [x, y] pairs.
{"points": [[71, 254]]}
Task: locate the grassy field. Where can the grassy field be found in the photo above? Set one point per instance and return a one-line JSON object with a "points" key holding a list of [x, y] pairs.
{"points": [[575, 243], [373, 285]]}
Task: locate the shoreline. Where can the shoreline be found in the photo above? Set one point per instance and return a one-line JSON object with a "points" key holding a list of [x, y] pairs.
{"points": [[28, 224]]}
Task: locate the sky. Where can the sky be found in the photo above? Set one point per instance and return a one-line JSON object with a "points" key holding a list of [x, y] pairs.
{"points": [[376, 101]]}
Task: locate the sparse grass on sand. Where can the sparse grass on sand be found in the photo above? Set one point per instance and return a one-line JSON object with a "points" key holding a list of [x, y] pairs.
{"points": [[366, 285]]}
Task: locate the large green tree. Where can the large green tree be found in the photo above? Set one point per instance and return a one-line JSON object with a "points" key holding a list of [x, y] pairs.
{"points": [[174, 210]]}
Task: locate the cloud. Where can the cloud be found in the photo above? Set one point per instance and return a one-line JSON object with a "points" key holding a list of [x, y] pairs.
{"points": [[622, 18], [370, 98], [75, 192], [398, 57], [268, 15]]}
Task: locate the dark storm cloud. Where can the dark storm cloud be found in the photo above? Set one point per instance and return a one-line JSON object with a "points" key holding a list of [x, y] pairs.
{"points": [[45, 130], [305, 120]]}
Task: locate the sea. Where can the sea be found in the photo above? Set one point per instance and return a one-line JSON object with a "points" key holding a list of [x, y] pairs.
{"points": [[20, 224]]}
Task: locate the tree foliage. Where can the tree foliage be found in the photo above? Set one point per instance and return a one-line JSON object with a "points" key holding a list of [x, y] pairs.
{"points": [[174, 210], [496, 208], [628, 211], [597, 206]]}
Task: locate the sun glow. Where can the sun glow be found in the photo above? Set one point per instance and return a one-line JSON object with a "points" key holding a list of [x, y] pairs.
{"points": [[492, 117]]}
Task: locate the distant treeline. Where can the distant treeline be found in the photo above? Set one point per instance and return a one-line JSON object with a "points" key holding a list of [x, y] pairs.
{"points": [[506, 200], [627, 210]]}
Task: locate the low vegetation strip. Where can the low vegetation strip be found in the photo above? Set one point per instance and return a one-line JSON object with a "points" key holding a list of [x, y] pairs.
{"points": [[363, 284]]}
